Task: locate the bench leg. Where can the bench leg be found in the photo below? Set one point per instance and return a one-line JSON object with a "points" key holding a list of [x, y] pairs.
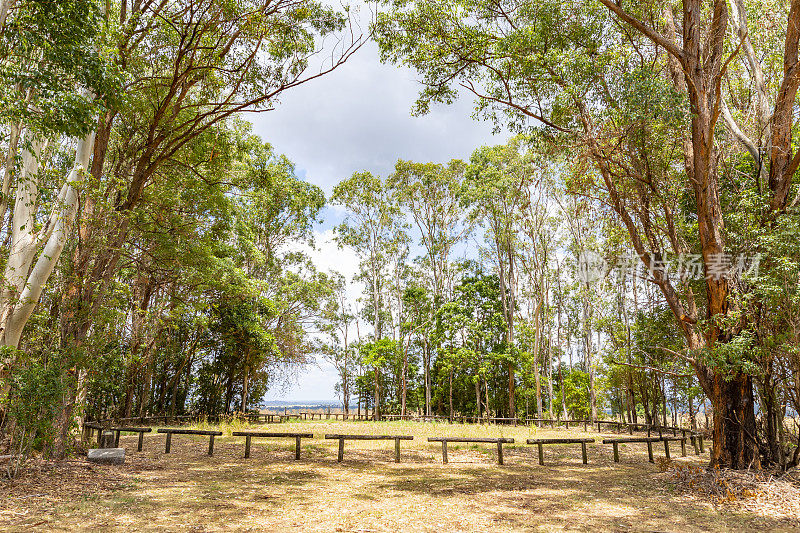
{"points": [[247, 447], [666, 449], [499, 453], [683, 447], [616, 451], [694, 444], [168, 446], [341, 451], [211, 445], [444, 452], [141, 441], [650, 452], [396, 450], [541, 454], [116, 439], [297, 448], [700, 439], [583, 450]]}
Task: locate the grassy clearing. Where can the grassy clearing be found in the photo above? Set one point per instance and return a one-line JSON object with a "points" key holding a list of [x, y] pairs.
{"points": [[187, 490]]}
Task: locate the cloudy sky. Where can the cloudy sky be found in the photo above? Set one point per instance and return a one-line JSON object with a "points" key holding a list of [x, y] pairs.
{"points": [[359, 118]]}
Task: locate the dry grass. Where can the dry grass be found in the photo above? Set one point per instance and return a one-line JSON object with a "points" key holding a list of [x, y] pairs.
{"points": [[187, 490]]}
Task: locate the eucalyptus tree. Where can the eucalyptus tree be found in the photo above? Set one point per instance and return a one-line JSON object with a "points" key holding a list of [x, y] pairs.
{"points": [[378, 355], [538, 229], [498, 179], [432, 193], [478, 310], [275, 209], [53, 82], [638, 95], [373, 228], [189, 68], [419, 325], [336, 323]]}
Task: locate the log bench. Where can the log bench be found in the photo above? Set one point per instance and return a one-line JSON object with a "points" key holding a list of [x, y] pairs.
{"points": [[498, 441], [170, 432], [697, 439], [129, 429], [667, 441], [616, 442], [90, 427], [267, 434], [541, 442], [395, 438]]}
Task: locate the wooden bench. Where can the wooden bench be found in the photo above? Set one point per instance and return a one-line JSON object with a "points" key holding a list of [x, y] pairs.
{"points": [[396, 438], [498, 441], [266, 434], [170, 432], [617, 442], [667, 441], [697, 439], [89, 428], [541, 442], [129, 429]]}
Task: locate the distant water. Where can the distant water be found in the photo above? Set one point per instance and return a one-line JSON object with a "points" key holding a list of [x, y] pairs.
{"points": [[301, 403]]}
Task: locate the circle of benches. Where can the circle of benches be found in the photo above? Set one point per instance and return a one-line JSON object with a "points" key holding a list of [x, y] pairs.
{"points": [[696, 440]]}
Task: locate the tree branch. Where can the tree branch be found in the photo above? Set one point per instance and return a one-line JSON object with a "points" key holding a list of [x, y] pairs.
{"points": [[649, 32]]}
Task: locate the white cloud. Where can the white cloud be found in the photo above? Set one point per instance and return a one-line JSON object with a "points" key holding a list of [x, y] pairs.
{"points": [[359, 118]]}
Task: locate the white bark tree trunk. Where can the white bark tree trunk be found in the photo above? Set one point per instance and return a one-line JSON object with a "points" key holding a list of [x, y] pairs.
{"points": [[5, 7], [25, 283], [8, 171]]}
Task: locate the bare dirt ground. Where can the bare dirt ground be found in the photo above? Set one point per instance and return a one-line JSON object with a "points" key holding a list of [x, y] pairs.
{"points": [[189, 491]]}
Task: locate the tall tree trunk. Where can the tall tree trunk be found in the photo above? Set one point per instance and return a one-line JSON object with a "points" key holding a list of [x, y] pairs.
{"points": [[377, 407], [451, 393], [245, 388], [734, 423], [507, 298], [477, 397], [701, 57], [427, 363]]}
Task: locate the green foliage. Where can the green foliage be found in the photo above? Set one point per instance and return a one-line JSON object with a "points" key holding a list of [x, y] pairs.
{"points": [[33, 401], [47, 50], [576, 395]]}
